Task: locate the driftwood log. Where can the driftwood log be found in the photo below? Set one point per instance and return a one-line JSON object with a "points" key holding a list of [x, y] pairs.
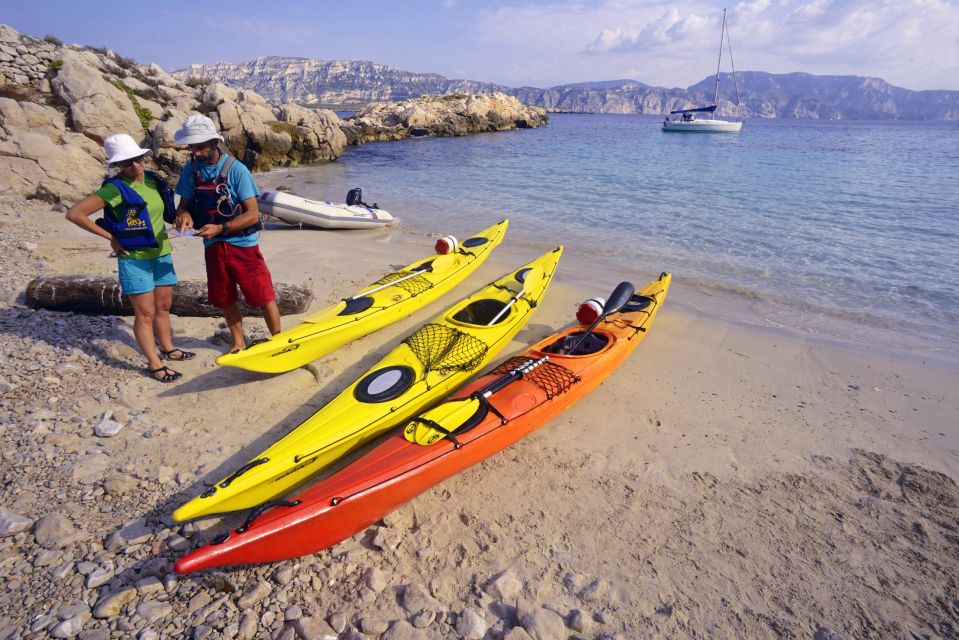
{"points": [[101, 295]]}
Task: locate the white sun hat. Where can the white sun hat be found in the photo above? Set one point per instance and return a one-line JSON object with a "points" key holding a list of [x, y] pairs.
{"points": [[196, 130], [120, 147]]}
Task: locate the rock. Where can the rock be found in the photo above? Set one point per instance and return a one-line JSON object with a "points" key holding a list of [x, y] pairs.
{"points": [[51, 530], [136, 532], [580, 621], [89, 469], [338, 622], [254, 594], [221, 581], [403, 630], [540, 623], [310, 628], [120, 484], [110, 605], [375, 579], [12, 522], [97, 108], [248, 624], [471, 624], [517, 633], [107, 427], [151, 610], [386, 539], [99, 576], [415, 598], [825, 633], [70, 627], [505, 587], [372, 626], [149, 586], [424, 619], [283, 576]]}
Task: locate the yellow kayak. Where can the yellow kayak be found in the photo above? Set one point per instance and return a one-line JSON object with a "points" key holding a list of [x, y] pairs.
{"points": [[371, 308], [426, 366]]}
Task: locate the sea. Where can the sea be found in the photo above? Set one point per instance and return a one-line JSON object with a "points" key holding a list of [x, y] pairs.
{"points": [[845, 230]]}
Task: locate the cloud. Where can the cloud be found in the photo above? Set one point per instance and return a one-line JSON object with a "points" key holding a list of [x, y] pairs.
{"points": [[907, 42]]}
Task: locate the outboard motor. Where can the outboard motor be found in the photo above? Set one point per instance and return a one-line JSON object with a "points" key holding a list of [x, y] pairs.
{"points": [[355, 197]]}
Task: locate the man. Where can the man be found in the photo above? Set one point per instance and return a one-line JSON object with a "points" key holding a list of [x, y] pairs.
{"points": [[218, 200]]}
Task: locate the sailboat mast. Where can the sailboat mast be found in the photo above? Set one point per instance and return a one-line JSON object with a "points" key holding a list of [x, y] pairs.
{"points": [[719, 62]]}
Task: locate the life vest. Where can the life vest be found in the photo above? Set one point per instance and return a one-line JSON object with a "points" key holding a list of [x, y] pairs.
{"points": [[212, 201], [130, 222]]}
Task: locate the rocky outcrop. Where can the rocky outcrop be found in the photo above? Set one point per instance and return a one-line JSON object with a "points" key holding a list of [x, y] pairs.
{"points": [[764, 95], [58, 102], [449, 115]]}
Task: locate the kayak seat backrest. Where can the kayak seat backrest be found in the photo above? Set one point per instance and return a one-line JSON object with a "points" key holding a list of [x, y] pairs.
{"points": [[481, 312], [592, 344]]}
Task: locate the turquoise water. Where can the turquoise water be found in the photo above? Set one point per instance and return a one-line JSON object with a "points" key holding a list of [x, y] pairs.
{"points": [[846, 229]]}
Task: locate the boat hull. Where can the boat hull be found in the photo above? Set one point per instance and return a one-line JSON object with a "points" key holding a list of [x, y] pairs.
{"points": [[703, 126], [320, 213], [398, 470]]}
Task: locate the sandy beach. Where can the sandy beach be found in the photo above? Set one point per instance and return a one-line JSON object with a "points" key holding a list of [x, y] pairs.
{"points": [[730, 480]]}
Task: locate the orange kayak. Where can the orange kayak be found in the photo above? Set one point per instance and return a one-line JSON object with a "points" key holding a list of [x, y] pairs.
{"points": [[399, 469]]}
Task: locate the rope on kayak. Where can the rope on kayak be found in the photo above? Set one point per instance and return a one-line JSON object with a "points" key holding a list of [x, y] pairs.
{"points": [[444, 349], [552, 378], [414, 286]]}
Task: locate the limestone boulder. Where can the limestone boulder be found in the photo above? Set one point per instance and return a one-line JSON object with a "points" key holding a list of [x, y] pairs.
{"points": [[218, 92], [318, 137], [161, 76], [59, 173], [97, 108]]}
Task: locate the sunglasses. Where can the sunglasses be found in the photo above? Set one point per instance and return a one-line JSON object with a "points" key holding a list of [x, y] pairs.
{"points": [[126, 164], [201, 146]]}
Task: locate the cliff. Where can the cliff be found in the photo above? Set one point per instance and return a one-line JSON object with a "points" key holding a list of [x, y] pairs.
{"points": [[765, 95]]}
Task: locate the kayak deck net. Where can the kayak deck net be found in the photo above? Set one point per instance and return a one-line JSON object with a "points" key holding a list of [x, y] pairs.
{"points": [[444, 349], [552, 378], [414, 286]]}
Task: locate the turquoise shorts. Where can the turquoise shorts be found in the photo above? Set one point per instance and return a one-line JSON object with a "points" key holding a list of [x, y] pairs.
{"points": [[143, 276]]}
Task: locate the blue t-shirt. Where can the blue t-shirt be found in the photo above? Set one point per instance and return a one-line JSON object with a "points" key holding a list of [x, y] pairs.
{"points": [[240, 182]]}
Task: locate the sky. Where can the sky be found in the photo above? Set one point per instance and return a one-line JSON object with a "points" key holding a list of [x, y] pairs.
{"points": [[910, 43]]}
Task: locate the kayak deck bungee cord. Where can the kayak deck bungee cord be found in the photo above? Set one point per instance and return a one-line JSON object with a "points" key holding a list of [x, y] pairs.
{"points": [[390, 298], [508, 403], [424, 367]]}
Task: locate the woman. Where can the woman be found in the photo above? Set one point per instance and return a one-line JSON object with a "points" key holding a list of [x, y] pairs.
{"points": [[135, 204]]}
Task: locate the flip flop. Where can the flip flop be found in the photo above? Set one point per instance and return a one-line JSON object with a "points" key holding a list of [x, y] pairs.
{"points": [[169, 375], [183, 355]]}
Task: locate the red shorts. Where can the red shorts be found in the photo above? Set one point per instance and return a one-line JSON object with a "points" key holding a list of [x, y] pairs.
{"points": [[227, 266]]}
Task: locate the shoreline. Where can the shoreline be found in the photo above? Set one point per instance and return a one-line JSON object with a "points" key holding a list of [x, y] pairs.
{"points": [[725, 479]]}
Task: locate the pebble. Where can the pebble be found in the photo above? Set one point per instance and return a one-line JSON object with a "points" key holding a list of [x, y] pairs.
{"points": [[99, 576], [12, 523], [254, 594], [51, 530], [69, 627], [107, 427], [471, 624], [110, 605]]}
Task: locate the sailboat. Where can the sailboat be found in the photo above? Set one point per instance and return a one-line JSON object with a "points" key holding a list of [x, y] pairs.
{"points": [[688, 120]]}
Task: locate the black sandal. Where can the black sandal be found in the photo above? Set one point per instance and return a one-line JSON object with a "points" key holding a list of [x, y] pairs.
{"points": [[169, 375], [184, 355]]}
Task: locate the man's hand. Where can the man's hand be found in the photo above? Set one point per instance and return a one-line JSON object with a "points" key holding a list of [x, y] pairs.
{"points": [[184, 221], [210, 230]]}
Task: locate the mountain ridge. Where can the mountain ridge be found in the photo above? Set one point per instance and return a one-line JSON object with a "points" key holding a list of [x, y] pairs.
{"points": [[311, 81]]}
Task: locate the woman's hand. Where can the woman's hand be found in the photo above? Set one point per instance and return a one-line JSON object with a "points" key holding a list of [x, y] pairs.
{"points": [[117, 249]]}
